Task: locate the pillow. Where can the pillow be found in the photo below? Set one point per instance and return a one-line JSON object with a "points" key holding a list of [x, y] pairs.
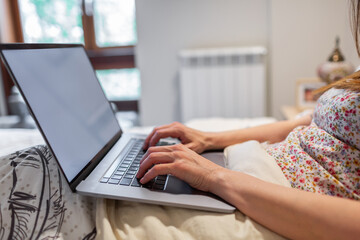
{"points": [[250, 157], [36, 201]]}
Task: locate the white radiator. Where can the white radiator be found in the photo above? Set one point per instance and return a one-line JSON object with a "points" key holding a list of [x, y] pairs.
{"points": [[225, 82]]}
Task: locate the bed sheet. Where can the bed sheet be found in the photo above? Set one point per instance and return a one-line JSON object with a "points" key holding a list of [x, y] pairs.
{"points": [[13, 139], [129, 220]]}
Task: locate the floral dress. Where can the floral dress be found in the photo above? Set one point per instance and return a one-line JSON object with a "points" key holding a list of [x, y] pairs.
{"points": [[324, 157]]}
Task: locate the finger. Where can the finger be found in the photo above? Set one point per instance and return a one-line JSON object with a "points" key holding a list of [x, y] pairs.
{"points": [[146, 143], [147, 140], [164, 133], [151, 160], [160, 169], [155, 149]]}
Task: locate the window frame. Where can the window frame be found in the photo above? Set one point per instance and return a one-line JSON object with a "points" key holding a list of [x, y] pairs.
{"points": [[101, 58]]}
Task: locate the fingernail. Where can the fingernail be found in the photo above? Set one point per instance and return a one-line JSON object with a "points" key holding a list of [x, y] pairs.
{"points": [[142, 180]]}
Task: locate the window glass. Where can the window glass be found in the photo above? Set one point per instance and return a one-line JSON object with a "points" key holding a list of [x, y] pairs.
{"points": [[115, 23], [120, 84], [60, 21], [50, 21]]}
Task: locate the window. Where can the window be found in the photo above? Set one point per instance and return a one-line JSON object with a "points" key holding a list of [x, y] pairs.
{"points": [[120, 84], [115, 23], [107, 28], [51, 21]]}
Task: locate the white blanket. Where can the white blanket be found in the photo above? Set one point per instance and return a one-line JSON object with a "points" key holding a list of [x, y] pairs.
{"points": [[128, 220]]}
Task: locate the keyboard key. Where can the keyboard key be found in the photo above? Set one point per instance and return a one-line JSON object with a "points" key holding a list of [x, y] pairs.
{"points": [[136, 183], [125, 172], [157, 186], [126, 181], [104, 180], [131, 172], [162, 177], [160, 181], [116, 177], [114, 181], [149, 184], [131, 176]]}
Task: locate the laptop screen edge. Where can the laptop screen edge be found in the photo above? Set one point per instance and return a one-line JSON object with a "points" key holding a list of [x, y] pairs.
{"points": [[103, 151]]}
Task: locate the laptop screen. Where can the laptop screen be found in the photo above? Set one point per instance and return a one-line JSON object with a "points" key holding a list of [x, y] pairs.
{"points": [[65, 96]]}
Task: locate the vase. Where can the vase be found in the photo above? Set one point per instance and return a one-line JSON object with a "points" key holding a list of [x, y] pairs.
{"points": [[336, 67]]}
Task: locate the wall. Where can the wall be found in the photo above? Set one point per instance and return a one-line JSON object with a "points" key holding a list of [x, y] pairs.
{"points": [[298, 34], [165, 27], [302, 36]]}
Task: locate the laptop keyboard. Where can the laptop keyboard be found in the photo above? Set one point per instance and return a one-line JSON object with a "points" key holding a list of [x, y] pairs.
{"points": [[125, 171]]}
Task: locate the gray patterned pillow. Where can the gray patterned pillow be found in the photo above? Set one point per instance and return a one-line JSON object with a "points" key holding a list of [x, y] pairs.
{"points": [[36, 201]]}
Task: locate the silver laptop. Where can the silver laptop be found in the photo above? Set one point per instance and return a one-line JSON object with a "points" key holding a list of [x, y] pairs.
{"points": [[69, 106]]}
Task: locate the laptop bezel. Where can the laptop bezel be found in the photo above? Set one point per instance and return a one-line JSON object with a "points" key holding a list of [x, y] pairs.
{"points": [[103, 151]]}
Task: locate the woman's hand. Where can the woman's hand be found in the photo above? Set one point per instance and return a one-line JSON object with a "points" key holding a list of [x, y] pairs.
{"points": [[195, 140], [180, 162]]}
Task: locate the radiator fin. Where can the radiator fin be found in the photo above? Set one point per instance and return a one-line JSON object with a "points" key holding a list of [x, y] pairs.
{"points": [[228, 82]]}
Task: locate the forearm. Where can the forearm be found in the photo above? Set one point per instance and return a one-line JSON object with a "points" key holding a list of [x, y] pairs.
{"points": [[293, 213], [274, 132]]}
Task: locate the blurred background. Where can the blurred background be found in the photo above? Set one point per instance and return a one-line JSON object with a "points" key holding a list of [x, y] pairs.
{"points": [[136, 46]]}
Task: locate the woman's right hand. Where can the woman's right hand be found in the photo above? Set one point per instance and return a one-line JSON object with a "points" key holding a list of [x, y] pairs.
{"points": [[183, 163], [193, 139]]}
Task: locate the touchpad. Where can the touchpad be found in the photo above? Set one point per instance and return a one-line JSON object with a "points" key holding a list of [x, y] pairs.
{"points": [[177, 186], [215, 157]]}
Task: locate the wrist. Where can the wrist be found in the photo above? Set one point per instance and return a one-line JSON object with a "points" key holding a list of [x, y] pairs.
{"points": [[234, 187], [219, 182], [211, 141]]}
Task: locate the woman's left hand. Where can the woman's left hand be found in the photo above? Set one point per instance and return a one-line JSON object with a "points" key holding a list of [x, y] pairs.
{"points": [[180, 162]]}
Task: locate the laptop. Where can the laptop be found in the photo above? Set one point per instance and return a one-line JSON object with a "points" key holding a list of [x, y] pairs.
{"points": [[71, 111]]}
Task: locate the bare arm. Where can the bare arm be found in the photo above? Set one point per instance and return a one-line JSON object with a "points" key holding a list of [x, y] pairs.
{"points": [[290, 212], [273, 132], [293, 213], [200, 141]]}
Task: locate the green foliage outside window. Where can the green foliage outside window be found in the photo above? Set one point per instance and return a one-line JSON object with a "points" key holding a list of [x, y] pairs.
{"points": [[59, 21], [50, 21]]}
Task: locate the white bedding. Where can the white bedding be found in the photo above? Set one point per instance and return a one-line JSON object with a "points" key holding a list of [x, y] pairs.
{"points": [[14, 139], [128, 220]]}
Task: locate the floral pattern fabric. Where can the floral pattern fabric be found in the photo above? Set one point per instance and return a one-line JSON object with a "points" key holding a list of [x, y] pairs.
{"points": [[324, 157]]}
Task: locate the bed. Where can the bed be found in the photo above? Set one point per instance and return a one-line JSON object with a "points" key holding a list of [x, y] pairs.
{"points": [[36, 202]]}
